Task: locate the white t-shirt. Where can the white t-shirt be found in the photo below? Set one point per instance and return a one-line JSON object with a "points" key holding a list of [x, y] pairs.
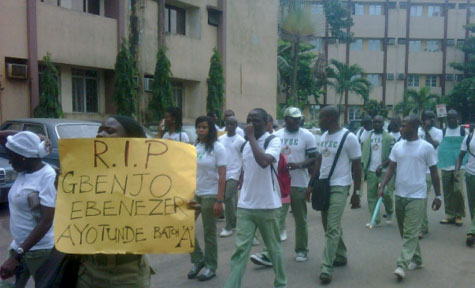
{"points": [[396, 136], [363, 134], [297, 146], [22, 219], [376, 150], [239, 131], [207, 168], [260, 189], [176, 137], [233, 154], [449, 132], [436, 134], [413, 158], [351, 151], [470, 166]]}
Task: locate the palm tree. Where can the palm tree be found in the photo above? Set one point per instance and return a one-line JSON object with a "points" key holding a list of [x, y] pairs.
{"points": [[345, 78], [416, 101]]}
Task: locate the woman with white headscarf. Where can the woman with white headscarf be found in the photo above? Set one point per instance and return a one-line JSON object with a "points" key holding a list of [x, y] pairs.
{"points": [[32, 200]]}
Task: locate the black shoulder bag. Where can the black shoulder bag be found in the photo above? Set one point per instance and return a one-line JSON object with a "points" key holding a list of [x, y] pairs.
{"points": [[321, 187]]}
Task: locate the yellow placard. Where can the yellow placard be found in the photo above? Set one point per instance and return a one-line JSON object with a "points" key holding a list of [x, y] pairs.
{"points": [[123, 195]]}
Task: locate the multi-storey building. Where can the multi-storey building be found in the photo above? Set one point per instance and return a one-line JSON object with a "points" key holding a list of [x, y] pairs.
{"points": [[83, 38], [400, 45]]}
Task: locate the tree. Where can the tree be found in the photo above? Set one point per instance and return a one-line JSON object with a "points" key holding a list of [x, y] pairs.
{"points": [[215, 99], [162, 91], [373, 108], [338, 19], [416, 101], [49, 106], [345, 78], [125, 93]]}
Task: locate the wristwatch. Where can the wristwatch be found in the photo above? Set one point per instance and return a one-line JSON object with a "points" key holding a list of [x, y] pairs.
{"points": [[220, 201], [438, 197], [357, 192], [19, 252]]}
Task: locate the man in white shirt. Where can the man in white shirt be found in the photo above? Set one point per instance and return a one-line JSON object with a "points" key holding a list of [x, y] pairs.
{"points": [[300, 147], [452, 183], [468, 146], [364, 132], [334, 254], [394, 127], [434, 136], [232, 142], [260, 200], [230, 113], [411, 157]]}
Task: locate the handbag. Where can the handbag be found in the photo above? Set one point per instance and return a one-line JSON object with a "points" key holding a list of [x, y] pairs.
{"points": [[59, 270], [321, 187]]}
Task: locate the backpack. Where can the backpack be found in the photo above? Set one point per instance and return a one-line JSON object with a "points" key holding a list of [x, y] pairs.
{"points": [[282, 173], [469, 138]]}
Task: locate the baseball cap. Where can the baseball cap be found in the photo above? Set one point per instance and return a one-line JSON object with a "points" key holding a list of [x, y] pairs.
{"points": [[293, 112]]}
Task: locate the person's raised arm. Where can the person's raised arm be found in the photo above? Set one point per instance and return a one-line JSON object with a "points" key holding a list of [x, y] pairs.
{"points": [[261, 157]]}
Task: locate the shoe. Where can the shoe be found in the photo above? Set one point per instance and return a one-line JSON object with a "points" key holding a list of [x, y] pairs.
{"points": [[384, 215], [470, 240], [368, 225], [458, 221], [413, 266], [325, 278], [255, 242], [301, 257], [447, 221], [220, 218], [421, 235], [261, 259], [226, 233], [340, 263], [283, 235], [196, 269], [206, 275], [389, 218], [400, 274]]}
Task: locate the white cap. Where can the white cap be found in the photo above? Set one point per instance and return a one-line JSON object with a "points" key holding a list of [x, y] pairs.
{"points": [[27, 144]]}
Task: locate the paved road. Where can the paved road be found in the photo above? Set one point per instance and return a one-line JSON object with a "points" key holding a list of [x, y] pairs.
{"points": [[372, 257]]}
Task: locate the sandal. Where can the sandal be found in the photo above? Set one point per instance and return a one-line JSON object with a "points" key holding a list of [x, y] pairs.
{"points": [[448, 221], [458, 221]]}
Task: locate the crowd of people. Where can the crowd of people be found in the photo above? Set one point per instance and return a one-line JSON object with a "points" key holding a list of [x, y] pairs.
{"points": [[252, 177]]}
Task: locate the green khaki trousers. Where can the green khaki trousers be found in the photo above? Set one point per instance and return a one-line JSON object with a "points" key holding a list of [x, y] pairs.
{"points": [[210, 256], [284, 210], [230, 203], [335, 248], [299, 211], [454, 201], [372, 187], [409, 213], [470, 181], [114, 271], [29, 264], [425, 221], [248, 221]]}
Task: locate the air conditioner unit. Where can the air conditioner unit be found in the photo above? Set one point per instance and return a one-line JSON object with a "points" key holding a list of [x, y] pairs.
{"points": [[450, 42], [391, 41], [392, 5], [449, 77], [147, 84], [17, 71], [401, 76], [401, 41], [390, 76]]}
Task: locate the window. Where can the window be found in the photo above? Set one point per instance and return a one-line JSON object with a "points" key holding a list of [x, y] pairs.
{"points": [[462, 6], [318, 43], [354, 113], [93, 7], [357, 45], [175, 20], [85, 98], [413, 80], [375, 10], [432, 46], [472, 10], [431, 81], [415, 46], [358, 9], [434, 11], [403, 5], [213, 17], [35, 128], [374, 79], [416, 10], [178, 92], [317, 9], [460, 42], [374, 45], [401, 41]]}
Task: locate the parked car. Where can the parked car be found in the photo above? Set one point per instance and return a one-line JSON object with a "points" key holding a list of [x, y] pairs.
{"points": [[53, 129]]}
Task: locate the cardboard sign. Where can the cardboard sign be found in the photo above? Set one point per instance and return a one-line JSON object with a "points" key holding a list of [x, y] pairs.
{"points": [[124, 195], [441, 110], [448, 152]]}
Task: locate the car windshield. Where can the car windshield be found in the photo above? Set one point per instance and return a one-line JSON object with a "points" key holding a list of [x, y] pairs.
{"points": [[77, 130]]}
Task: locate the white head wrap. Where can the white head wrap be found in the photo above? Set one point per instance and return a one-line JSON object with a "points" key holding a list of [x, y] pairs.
{"points": [[27, 144]]}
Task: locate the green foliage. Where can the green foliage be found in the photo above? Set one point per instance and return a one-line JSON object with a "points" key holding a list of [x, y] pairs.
{"points": [[49, 106], [125, 92], [306, 83], [134, 31], [339, 19], [162, 91], [342, 78], [373, 108], [215, 99], [462, 98], [299, 22], [416, 101]]}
